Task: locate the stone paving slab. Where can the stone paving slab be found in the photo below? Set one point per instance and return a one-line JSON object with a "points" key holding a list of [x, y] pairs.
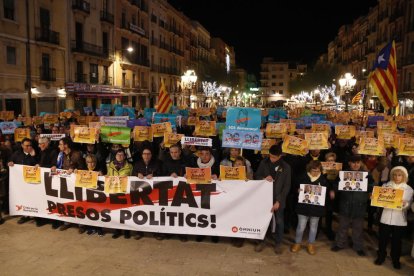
{"points": [[30, 250]]}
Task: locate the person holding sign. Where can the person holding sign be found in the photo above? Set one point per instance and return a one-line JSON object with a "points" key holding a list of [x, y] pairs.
{"points": [[352, 209], [25, 156], [229, 161], [308, 210], [120, 167], [274, 169], [394, 221]]}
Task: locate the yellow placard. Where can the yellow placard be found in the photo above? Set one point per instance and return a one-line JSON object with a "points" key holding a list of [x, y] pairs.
{"points": [[331, 166], [51, 119], [232, 173], [192, 121], [266, 144], [116, 184], [406, 146], [37, 120], [345, 132], [321, 128], [291, 128], [387, 197], [390, 139], [171, 139], [66, 115], [21, 133], [142, 133], [203, 111], [31, 174], [198, 175], [158, 130], [7, 115], [86, 179], [84, 135], [317, 140], [386, 126], [205, 128], [294, 145], [362, 133], [371, 146], [276, 130]]}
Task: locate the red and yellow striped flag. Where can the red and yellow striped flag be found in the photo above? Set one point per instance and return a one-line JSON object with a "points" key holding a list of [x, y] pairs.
{"points": [[164, 101], [383, 78], [358, 97]]}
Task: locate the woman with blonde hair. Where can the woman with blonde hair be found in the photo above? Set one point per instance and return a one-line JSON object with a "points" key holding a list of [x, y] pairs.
{"points": [[394, 221]]}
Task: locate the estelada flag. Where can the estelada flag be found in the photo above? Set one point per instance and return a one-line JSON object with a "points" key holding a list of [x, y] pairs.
{"points": [[164, 101], [383, 78]]}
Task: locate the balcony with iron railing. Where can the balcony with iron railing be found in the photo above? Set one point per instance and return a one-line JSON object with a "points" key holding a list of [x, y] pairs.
{"points": [[164, 46], [93, 78], [47, 73], [107, 17], [47, 35], [81, 5], [88, 48]]}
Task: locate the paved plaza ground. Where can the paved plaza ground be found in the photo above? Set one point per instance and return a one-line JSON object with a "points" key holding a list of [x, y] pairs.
{"points": [[30, 250]]}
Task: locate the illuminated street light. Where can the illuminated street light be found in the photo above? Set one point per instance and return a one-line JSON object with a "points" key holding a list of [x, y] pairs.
{"points": [[347, 83], [188, 80]]}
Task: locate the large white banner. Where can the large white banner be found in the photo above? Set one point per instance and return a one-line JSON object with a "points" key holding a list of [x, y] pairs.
{"points": [[232, 208]]}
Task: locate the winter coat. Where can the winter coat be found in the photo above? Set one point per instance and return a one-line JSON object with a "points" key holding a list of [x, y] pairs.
{"points": [[126, 170], [281, 173], [312, 210]]}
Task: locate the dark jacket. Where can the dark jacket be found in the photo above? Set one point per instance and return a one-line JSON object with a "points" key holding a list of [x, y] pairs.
{"points": [[21, 158], [154, 168], [281, 173], [171, 166], [48, 157], [74, 160], [215, 169], [311, 210], [354, 204]]}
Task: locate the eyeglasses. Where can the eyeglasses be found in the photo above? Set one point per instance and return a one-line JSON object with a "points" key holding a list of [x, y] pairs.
{"points": [[27, 145]]}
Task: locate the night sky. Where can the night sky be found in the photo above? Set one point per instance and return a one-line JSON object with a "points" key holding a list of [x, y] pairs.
{"points": [[286, 30]]}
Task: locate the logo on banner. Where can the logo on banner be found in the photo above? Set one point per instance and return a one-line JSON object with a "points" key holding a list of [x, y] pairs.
{"points": [[23, 208], [234, 229]]}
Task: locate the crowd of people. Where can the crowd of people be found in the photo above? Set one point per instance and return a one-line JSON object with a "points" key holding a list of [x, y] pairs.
{"points": [[151, 159]]}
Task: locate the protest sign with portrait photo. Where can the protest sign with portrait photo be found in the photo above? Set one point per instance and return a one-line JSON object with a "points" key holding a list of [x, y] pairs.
{"points": [[317, 140], [371, 146], [158, 130], [171, 139], [205, 128], [84, 135], [116, 184], [294, 145], [142, 133], [345, 132], [356, 181], [312, 194]]}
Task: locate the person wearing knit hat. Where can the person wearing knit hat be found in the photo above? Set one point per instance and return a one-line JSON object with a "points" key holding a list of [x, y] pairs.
{"points": [[393, 221]]}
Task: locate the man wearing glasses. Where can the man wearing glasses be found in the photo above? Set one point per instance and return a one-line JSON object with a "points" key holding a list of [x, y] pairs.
{"points": [[25, 156]]}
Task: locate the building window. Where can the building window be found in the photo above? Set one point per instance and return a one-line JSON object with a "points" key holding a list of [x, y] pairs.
{"points": [[282, 69], [280, 83], [8, 9], [273, 76], [94, 78], [273, 84], [281, 92], [11, 55]]}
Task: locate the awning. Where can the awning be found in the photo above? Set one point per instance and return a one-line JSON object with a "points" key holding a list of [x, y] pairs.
{"points": [[100, 95]]}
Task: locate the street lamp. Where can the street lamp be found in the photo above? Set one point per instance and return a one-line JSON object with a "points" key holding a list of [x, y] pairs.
{"points": [[347, 83], [188, 81]]}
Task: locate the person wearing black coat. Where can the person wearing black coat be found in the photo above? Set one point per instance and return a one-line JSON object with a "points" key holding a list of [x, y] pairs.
{"points": [[25, 156], [352, 209], [147, 166], [274, 169], [311, 211], [48, 155], [175, 162]]}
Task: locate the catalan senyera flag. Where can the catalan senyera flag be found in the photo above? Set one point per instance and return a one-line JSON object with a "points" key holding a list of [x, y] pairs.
{"points": [[383, 78], [358, 96], [164, 101]]}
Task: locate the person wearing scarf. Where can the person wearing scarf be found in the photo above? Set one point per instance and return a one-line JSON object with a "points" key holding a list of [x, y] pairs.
{"points": [[119, 166], [207, 160], [313, 211], [394, 221]]}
